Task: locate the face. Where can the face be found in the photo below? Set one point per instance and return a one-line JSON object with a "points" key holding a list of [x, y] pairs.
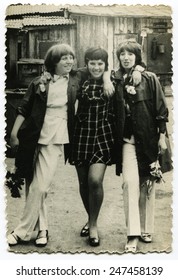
{"points": [[65, 65], [127, 59], [96, 68]]}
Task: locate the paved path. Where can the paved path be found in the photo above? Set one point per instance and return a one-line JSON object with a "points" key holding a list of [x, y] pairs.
{"points": [[67, 215]]}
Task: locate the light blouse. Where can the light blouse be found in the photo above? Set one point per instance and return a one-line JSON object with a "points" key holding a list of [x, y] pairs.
{"points": [[54, 130]]}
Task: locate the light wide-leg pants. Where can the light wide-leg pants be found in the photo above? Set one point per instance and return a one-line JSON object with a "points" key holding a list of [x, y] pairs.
{"points": [[35, 213], [138, 206]]}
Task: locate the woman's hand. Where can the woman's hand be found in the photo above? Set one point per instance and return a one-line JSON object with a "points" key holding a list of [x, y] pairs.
{"points": [[14, 141], [162, 144], [136, 75], [108, 88]]}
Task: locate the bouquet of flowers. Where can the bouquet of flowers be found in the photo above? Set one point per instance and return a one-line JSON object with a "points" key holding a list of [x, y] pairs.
{"points": [[155, 176], [14, 182]]}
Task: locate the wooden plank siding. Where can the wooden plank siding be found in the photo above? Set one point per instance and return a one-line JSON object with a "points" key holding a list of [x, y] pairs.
{"points": [[89, 30], [58, 34], [103, 31], [30, 42]]}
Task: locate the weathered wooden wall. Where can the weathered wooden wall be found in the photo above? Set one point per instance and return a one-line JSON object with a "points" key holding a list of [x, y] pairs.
{"points": [[108, 32], [88, 31], [91, 31], [58, 34], [34, 44]]}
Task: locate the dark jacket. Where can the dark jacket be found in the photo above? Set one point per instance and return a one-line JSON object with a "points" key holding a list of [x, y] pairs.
{"points": [[149, 115], [33, 108]]}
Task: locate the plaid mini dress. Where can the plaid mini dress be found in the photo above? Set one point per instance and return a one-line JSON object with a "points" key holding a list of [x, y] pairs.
{"points": [[93, 139]]}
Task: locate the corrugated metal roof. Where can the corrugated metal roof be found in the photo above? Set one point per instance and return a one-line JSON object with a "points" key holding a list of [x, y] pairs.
{"points": [[123, 10], [99, 10], [14, 23], [38, 21], [32, 9]]}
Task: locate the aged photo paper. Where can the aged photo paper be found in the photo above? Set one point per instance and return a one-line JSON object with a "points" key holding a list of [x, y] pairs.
{"points": [[30, 31]]}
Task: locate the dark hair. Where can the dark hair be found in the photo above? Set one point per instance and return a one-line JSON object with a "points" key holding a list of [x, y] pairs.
{"points": [[54, 54], [96, 54], [132, 46]]}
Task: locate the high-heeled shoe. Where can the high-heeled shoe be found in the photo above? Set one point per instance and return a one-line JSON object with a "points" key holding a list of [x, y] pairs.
{"points": [[94, 242], [42, 238], [84, 231]]}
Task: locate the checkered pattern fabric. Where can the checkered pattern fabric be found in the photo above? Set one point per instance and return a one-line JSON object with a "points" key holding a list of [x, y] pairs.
{"points": [[94, 127]]}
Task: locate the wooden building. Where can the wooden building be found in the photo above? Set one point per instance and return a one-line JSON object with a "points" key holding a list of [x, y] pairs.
{"points": [[32, 29]]}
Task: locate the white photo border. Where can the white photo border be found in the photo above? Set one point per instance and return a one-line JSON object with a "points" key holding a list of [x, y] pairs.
{"points": [[171, 259]]}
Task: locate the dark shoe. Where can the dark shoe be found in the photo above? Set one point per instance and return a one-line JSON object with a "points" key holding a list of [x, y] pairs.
{"points": [[94, 242], [85, 231], [42, 238]]}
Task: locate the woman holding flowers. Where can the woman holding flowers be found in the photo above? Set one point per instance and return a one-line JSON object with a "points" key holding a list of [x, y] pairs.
{"points": [[141, 124], [43, 125]]}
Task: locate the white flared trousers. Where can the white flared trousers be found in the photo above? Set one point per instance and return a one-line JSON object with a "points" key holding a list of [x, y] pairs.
{"points": [[35, 212], [138, 206]]}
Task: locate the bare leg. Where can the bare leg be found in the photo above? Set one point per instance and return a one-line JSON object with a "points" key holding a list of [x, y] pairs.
{"points": [[82, 173], [95, 182]]}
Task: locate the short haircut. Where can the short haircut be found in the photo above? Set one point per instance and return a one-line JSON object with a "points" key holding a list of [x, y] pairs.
{"points": [[96, 54], [54, 54], [132, 46]]}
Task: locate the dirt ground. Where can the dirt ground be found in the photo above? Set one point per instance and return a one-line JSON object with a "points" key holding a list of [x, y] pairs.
{"points": [[67, 215]]}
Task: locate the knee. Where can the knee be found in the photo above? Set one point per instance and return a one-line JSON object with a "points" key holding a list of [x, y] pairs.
{"points": [[95, 184]]}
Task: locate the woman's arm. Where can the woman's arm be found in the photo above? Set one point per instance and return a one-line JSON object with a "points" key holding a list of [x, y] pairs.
{"points": [[23, 111], [13, 139], [82, 74], [162, 143], [107, 84], [161, 111], [26, 105]]}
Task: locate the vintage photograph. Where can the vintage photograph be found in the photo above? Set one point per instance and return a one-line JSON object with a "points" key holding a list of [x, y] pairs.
{"points": [[89, 124]]}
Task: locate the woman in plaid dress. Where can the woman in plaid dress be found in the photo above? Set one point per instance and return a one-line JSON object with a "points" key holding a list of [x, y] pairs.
{"points": [[93, 139]]}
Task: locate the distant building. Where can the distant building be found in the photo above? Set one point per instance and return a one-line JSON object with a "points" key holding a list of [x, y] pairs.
{"points": [[32, 29]]}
